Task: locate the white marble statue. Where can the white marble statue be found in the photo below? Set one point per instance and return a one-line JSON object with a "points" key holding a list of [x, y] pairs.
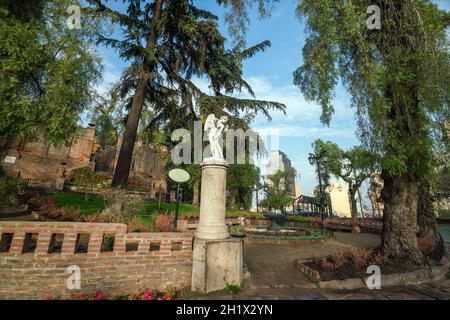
{"points": [[214, 129]]}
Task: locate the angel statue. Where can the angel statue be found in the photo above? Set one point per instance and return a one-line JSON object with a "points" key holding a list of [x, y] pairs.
{"points": [[214, 128]]}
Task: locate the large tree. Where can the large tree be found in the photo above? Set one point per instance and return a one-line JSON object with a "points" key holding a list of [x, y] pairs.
{"points": [[169, 42], [47, 70], [353, 166], [398, 79], [277, 189]]}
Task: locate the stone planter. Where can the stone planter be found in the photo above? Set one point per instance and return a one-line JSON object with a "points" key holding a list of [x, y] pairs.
{"points": [[391, 280]]}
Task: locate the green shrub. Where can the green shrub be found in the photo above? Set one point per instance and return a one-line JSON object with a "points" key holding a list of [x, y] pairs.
{"points": [[9, 193], [300, 219], [444, 213], [87, 178], [234, 288]]}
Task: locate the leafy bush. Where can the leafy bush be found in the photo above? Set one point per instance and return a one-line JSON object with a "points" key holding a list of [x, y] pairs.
{"points": [[9, 193], [47, 207], [164, 223], [345, 264], [86, 178], [234, 288]]}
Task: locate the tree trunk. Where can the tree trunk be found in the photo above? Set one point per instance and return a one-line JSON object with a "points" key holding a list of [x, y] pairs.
{"points": [[399, 238], [426, 219], [353, 203], [195, 197], [123, 166]]}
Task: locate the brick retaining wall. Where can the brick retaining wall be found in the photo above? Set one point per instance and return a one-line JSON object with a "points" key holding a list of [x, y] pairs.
{"points": [[137, 260]]}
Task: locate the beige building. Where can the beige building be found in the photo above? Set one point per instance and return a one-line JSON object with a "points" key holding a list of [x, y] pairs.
{"points": [[298, 191], [340, 201]]}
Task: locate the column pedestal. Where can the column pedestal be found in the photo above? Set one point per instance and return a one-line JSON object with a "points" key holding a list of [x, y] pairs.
{"points": [[217, 258], [212, 225], [216, 264]]}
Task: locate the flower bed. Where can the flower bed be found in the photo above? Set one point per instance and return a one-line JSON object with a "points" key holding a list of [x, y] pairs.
{"points": [[141, 294], [348, 269]]}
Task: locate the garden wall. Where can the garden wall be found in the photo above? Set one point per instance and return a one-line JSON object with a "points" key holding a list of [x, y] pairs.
{"points": [[41, 164], [34, 257]]}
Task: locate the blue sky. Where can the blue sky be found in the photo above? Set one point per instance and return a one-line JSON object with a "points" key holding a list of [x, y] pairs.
{"points": [[270, 74]]}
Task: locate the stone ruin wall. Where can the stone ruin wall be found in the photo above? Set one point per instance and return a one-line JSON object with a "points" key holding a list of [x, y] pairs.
{"points": [[42, 164]]}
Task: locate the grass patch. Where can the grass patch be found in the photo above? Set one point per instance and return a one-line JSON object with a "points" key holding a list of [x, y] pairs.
{"points": [[152, 207], [92, 205]]}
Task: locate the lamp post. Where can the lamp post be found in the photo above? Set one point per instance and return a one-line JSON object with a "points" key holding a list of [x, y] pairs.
{"points": [[317, 159], [179, 176]]}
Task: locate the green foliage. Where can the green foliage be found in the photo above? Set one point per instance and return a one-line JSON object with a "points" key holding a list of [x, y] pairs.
{"points": [[237, 15], [92, 205], [86, 178], [354, 166], [48, 71], [278, 191], [9, 193], [168, 43], [443, 213], [397, 76], [241, 182], [234, 288], [108, 122]]}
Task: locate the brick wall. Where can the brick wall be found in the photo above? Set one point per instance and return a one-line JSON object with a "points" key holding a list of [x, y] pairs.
{"points": [[137, 260]]}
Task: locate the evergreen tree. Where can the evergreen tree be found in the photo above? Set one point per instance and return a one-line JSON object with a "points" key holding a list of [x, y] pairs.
{"points": [[168, 42]]}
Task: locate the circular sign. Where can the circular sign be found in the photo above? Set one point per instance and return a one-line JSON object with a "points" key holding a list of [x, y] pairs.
{"points": [[179, 175]]}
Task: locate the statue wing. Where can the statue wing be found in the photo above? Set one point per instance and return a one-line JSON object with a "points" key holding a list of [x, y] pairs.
{"points": [[210, 122]]}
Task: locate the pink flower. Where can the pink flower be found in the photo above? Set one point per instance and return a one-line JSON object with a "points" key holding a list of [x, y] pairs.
{"points": [[91, 299], [48, 296], [102, 297]]}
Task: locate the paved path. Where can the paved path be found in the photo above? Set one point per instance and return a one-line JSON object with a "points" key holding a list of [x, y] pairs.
{"points": [[274, 277], [427, 291], [272, 266]]}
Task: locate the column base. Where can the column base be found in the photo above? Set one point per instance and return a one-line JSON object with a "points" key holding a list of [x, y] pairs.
{"points": [[212, 232], [216, 264]]}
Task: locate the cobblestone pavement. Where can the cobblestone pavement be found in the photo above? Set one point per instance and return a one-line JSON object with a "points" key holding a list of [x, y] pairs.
{"points": [[274, 277]]}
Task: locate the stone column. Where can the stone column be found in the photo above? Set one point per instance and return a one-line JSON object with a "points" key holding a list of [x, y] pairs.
{"points": [[217, 257], [212, 225]]}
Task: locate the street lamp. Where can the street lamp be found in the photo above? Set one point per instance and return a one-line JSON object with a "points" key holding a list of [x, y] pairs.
{"points": [[179, 176], [318, 159]]}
